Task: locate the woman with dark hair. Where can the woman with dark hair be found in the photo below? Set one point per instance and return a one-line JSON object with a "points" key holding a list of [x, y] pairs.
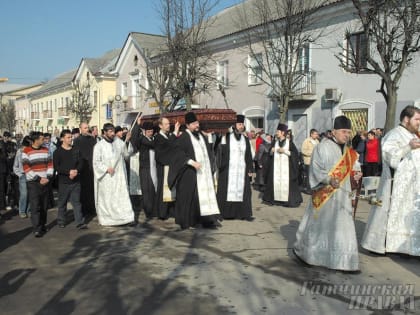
{"points": [[18, 171]]}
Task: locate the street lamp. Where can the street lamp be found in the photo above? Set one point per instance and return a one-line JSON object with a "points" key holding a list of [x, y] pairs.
{"points": [[116, 103]]}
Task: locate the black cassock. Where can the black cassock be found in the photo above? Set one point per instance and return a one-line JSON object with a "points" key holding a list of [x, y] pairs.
{"points": [[85, 145], [295, 197], [229, 209], [144, 145], [164, 155], [184, 178]]}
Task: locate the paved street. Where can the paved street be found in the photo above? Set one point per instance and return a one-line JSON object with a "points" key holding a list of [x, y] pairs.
{"points": [[241, 268]]}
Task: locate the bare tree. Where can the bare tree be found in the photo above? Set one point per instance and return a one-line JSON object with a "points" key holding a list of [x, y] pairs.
{"points": [[159, 80], [7, 116], [387, 45], [80, 104], [277, 34], [188, 61]]}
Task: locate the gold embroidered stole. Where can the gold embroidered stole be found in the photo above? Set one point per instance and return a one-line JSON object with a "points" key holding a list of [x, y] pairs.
{"points": [[340, 171]]}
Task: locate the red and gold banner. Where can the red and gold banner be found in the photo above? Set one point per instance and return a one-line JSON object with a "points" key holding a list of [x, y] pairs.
{"points": [[340, 171]]}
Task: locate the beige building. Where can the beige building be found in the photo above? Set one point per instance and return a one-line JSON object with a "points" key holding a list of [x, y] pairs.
{"points": [[17, 96], [50, 107]]}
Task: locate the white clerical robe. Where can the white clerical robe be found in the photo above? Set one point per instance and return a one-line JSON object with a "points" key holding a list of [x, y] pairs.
{"points": [[327, 237], [206, 192], [281, 172], [112, 200], [394, 225], [237, 168]]}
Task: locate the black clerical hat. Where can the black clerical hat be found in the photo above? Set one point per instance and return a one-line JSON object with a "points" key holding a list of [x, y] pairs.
{"points": [[240, 118], [148, 125], [342, 122], [282, 127], [190, 118]]}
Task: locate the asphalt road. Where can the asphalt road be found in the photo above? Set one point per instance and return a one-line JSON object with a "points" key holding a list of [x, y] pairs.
{"points": [[152, 268]]}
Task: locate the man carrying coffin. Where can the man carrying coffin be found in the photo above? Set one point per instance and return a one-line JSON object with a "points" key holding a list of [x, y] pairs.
{"points": [[145, 144], [192, 175]]}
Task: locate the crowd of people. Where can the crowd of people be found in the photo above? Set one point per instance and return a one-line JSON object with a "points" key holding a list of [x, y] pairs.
{"points": [[201, 179]]}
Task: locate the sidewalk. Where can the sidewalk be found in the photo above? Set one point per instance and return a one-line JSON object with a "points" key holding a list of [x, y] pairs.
{"points": [[241, 268]]}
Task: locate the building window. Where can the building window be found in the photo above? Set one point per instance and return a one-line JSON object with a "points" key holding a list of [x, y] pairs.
{"points": [[108, 111], [255, 68], [222, 73], [304, 58], [124, 89], [95, 98], [356, 52]]}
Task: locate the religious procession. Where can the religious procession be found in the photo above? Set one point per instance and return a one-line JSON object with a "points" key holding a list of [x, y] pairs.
{"points": [[201, 178]]}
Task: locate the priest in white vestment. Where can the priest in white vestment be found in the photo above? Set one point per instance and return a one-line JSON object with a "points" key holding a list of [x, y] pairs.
{"points": [[112, 199], [282, 178], [236, 166], [326, 235], [394, 222]]}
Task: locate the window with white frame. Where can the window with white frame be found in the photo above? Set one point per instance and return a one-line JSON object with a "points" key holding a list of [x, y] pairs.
{"points": [[222, 73], [124, 89], [137, 92], [255, 68], [304, 58], [356, 52]]}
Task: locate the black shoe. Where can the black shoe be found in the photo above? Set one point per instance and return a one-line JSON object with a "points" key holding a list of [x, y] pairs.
{"points": [[44, 229], [82, 226], [249, 219], [38, 234], [61, 225]]}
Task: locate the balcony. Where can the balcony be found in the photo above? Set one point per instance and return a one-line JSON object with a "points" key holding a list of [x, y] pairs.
{"points": [[47, 114], [35, 115], [63, 112], [305, 88]]}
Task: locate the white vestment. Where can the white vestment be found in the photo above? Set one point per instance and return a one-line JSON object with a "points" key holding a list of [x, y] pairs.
{"points": [[237, 168], [134, 174], [205, 185], [394, 225], [112, 200], [327, 237], [281, 172]]}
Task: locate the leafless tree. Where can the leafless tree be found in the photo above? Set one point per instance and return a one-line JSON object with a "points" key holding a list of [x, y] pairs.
{"points": [[7, 116], [80, 104], [278, 32], [388, 43], [187, 63]]}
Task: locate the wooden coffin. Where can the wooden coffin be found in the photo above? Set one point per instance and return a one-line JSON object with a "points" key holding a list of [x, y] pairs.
{"points": [[211, 120]]}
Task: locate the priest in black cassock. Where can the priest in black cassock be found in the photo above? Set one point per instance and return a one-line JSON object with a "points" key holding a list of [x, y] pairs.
{"points": [[234, 187], [282, 185], [85, 143], [192, 174], [144, 143], [164, 155]]}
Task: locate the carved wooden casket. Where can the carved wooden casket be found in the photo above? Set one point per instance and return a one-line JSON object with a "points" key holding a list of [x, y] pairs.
{"points": [[211, 120]]}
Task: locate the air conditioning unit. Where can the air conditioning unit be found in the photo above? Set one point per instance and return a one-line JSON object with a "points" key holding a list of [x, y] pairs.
{"points": [[332, 95]]}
